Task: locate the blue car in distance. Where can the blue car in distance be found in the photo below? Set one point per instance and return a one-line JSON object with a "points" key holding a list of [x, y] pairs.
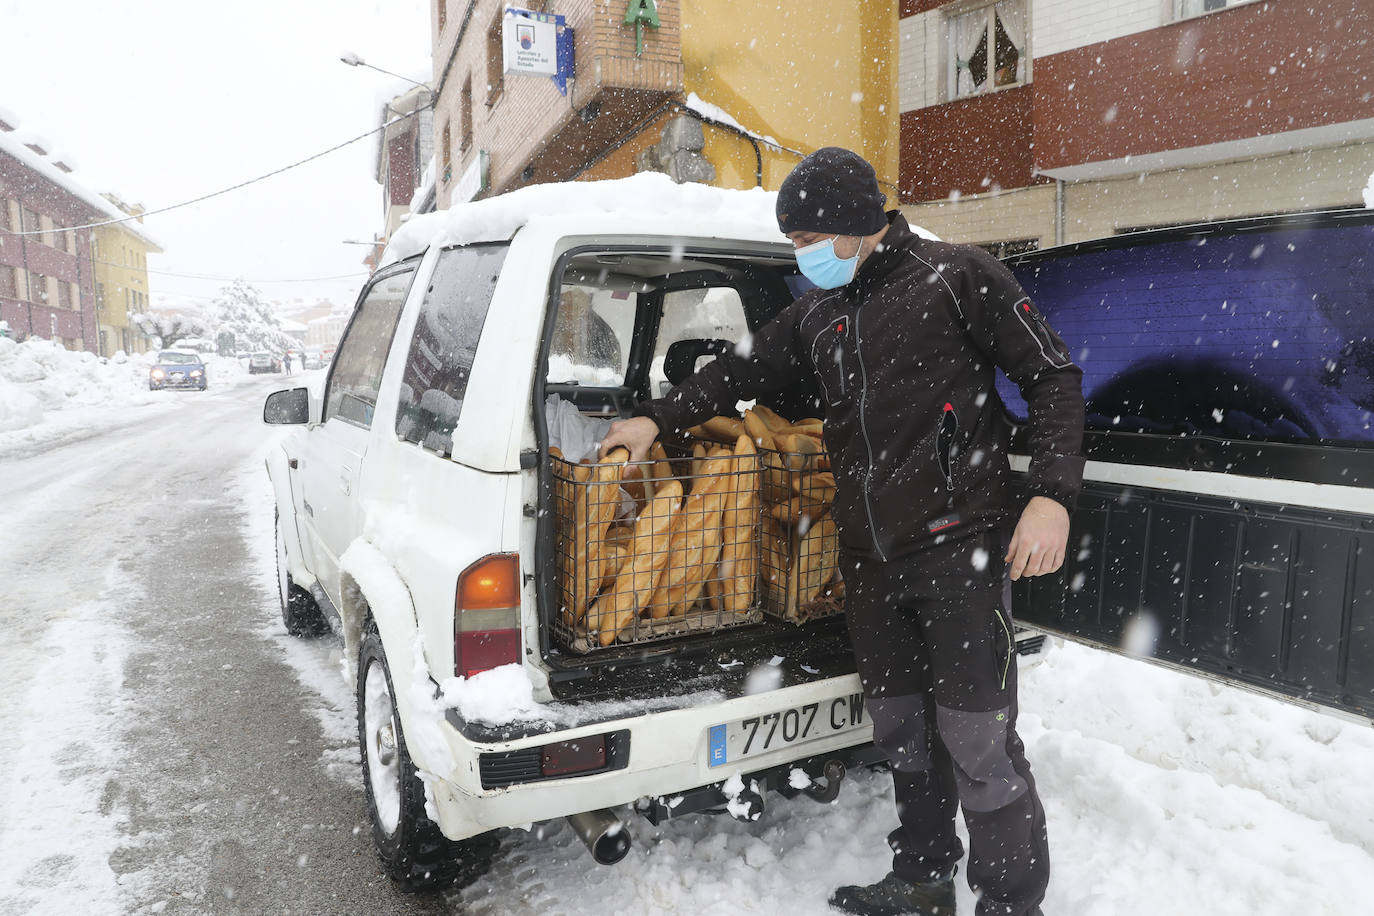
{"points": [[177, 369]]}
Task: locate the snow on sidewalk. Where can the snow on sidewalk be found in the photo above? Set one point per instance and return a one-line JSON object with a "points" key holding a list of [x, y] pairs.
{"points": [[1165, 794], [49, 394]]}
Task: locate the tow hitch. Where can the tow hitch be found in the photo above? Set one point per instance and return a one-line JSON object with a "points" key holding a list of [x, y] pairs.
{"points": [[741, 796], [826, 793]]}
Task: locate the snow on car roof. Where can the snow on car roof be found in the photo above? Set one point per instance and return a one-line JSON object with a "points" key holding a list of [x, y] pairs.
{"points": [[646, 196]]}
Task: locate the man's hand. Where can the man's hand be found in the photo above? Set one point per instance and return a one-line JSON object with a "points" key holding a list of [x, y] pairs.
{"points": [[1038, 543], [636, 434]]}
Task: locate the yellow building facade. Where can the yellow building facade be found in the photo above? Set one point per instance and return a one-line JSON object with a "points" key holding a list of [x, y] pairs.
{"points": [[824, 74], [119, 265], [762, 84]]}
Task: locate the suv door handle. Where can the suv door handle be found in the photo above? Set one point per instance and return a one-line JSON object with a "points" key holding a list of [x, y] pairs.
{"points": [[345, 483]]}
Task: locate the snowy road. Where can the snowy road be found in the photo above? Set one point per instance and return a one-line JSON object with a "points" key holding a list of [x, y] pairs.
{"points": [[166, 748]]}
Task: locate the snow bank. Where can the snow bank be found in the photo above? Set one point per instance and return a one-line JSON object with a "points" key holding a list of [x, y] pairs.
{"points": [[46, 390], [1369, 192]]}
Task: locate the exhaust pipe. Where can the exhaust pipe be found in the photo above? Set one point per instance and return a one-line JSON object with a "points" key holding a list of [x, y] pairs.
{"points": [[603, 834]]}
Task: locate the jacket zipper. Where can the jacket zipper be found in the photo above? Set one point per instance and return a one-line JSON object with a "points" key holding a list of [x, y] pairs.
{"points": [[863, 425]]}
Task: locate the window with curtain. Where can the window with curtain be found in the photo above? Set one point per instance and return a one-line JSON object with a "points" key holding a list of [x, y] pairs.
{"points": [[1187, 8], [987, 48]]}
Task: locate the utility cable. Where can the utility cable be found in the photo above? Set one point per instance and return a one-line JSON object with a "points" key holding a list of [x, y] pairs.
{"points": [[241, 184]]}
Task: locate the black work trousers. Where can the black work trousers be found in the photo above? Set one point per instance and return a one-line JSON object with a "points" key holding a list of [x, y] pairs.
{"points": [[932, 635]]}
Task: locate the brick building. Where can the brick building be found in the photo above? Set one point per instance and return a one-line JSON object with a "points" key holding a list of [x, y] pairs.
{"points": [[45, 273], [79, 287], [1030, 122]]}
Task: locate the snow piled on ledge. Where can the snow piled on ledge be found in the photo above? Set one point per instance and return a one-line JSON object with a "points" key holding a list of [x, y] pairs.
{"points": [[749, 213]]}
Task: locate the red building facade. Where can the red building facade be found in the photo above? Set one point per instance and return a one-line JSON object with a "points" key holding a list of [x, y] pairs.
{"points": [[46, 287], [1210, 108]]}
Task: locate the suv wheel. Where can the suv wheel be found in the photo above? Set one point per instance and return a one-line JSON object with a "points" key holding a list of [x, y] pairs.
{"points": [[299, 611], [414, 853]]}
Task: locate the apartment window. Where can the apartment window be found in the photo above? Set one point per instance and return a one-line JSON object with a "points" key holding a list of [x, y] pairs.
{"points": [[38, 288], [64, 295], [496, 64], [30, 221], [100, 296], [443, 14], [5, 215], [1186, 8], [987, 48], [465, 116], [9, 286]]}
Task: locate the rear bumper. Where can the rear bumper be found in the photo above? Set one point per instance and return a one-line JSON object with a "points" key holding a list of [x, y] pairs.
{"points": [[666, 754]]}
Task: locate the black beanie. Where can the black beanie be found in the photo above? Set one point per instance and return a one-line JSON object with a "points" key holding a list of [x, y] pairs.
{"points": [[832, 190]]}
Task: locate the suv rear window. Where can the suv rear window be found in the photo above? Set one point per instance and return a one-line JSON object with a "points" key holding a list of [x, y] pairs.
{"points": [[447, 333], [1260, 335]]}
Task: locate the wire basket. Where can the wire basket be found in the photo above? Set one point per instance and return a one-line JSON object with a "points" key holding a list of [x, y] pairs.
{"points": [[800, 542], [654, 549]]}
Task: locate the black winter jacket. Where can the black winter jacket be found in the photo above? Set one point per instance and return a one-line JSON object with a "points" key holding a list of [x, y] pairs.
{"points": [[905, 355]]}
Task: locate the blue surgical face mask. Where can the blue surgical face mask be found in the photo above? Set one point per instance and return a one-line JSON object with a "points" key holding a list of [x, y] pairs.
{"points": [[820, 265]]}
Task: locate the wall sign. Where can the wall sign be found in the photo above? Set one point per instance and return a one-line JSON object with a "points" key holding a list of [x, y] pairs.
{"points": [[640, 14], [537, 44]]}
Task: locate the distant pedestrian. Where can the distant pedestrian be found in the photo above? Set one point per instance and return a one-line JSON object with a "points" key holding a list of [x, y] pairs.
{"points": [[286, 360]]}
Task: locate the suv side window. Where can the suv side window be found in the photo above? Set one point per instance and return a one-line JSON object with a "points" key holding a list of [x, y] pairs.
{"points": [[351, 394], [592, 334], [446, 338], [697, 314]]}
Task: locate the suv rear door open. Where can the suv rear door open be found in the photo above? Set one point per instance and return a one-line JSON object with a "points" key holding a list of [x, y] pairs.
{"points": [[1226, 523]]}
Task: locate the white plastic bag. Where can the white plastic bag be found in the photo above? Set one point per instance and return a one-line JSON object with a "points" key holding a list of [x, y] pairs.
{"points": [[572, 433]]}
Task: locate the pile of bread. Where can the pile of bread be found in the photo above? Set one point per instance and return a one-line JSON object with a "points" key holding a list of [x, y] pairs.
{"points": [[800, 542], [691, 546], [694, 536]]}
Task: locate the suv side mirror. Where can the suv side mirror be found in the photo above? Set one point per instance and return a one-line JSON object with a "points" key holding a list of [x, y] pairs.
{"points": [[287, 408]]}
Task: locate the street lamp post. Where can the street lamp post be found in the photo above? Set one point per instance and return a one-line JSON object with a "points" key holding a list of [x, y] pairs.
{"points": [[353, 60]]}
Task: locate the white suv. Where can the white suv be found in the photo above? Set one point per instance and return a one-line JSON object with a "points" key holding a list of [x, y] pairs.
{"points": [[415, 517]]}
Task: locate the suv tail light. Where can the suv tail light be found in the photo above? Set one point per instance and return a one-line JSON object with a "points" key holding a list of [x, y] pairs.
{"points": [[486, 618]]}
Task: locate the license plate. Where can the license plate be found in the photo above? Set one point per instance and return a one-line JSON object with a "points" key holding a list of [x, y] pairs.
{"points": [[742, 738]]}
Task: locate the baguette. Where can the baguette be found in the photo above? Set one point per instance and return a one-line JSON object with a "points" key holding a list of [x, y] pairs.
{"points": [[662, 469], [818, 554], [758, 430], [811, 427], [739, 560], [771, 418], [724, 429], [778, 562], [638, 576], [777, 480], [694, 549], [798, 444], [594, 501], [799, 510], [698, 459]]}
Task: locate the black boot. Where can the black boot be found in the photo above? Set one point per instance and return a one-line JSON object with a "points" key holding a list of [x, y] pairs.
{"points": [[894, 896]]}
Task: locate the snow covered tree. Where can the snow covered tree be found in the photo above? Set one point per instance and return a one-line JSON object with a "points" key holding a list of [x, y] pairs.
{"points": [[242, 311], [170, 326]]}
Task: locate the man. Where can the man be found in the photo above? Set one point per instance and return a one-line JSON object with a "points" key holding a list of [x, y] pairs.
{"points": [[904, 334]]}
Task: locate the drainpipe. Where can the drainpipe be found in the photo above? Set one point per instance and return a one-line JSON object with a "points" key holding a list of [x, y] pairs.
{"points": [[28, 277], [1059, 211]]}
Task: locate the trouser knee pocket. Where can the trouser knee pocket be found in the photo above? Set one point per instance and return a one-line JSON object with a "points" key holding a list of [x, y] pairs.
{"points": [[983, 767]]}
